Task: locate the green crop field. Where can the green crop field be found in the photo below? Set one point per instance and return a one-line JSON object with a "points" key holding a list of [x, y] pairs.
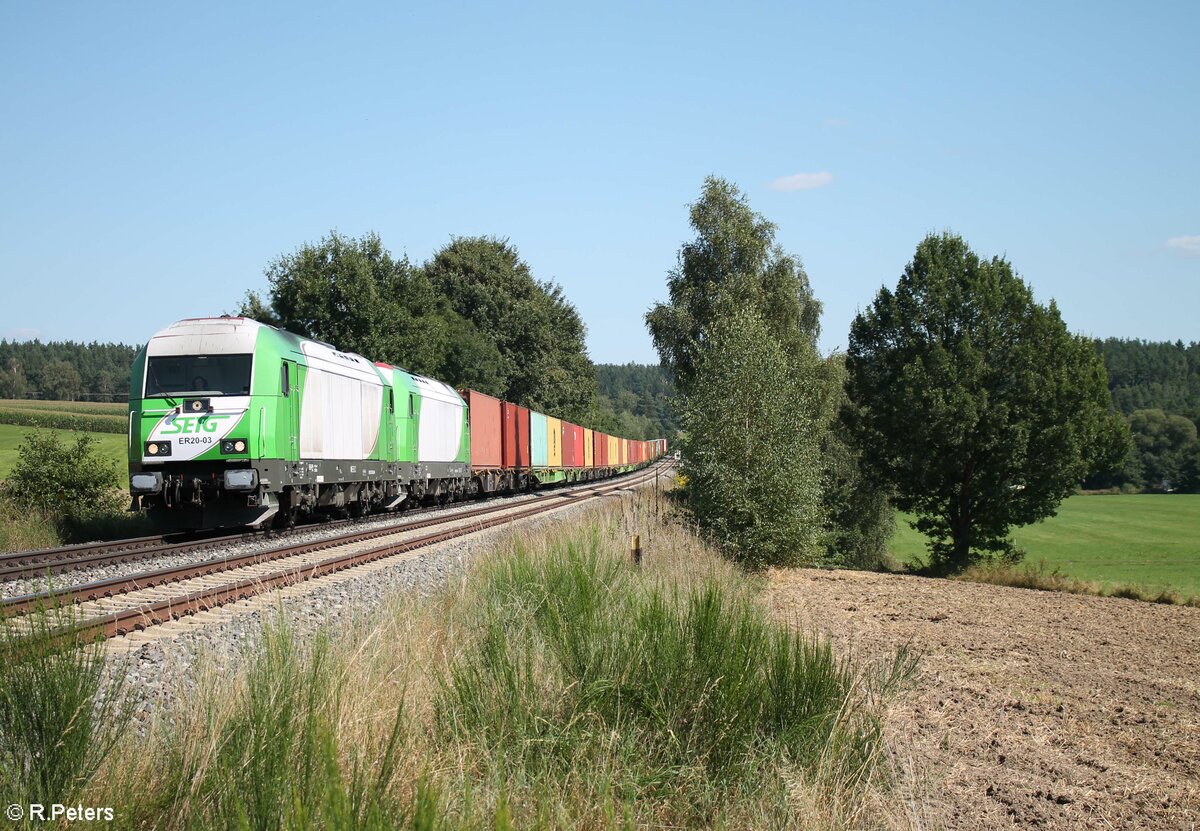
{"points": [[11, 437], [1144, 540], [92, 407]]}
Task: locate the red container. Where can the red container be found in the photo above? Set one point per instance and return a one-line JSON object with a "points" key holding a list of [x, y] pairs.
{"points": [[599, 449], [516, 435], [577, 440], [484, 414], [568, 444]]}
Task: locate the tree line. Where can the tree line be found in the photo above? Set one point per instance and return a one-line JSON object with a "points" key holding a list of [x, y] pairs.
{"points": [[1156, 386], [960, 400], [65, 370]]}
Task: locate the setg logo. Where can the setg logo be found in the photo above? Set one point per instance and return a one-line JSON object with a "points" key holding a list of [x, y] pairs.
{"points": [[183, 425]]}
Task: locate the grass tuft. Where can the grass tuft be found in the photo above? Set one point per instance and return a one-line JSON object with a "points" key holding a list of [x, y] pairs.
{"points": [[60, 715]]}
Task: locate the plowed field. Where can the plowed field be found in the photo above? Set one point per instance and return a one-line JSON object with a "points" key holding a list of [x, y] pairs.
{"points": [[1030, 709]]}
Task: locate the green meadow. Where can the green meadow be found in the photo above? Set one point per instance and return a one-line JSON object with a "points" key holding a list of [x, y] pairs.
{"points": [[11, 436], [1146, 540]]}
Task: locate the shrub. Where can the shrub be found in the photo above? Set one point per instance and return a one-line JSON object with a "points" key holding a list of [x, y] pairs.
{"points": [[67, 480], [752, 428]]}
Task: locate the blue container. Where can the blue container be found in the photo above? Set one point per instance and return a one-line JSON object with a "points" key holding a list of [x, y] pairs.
{"points": [[539, 446]]}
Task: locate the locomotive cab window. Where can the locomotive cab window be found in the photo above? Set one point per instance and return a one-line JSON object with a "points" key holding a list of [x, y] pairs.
{"points": [[195, 375], [285, 385]]}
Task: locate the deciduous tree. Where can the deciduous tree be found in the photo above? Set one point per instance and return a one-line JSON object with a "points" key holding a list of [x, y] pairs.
{"points": [[354, 294], [537, 333], [734, 253], [738, 335], [61, 381], [752, 443], [975, 403]]}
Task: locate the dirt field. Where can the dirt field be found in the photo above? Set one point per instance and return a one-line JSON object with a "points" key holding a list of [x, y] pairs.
{"points": [[1030, 709]]}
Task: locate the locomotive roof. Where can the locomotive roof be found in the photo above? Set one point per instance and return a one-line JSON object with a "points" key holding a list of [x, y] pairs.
{"points": [[206, 336]]}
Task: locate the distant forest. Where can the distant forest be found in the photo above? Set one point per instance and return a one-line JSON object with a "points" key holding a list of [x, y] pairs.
{"points": [[640, 397], [65, 371], [1156, 386]]}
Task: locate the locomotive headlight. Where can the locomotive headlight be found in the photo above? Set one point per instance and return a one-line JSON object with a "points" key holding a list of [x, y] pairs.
{"points": [[158, 448], [229, 446], [239, 446]]}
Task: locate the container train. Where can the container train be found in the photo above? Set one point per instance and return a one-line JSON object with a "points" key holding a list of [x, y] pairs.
{"points": [[236, 423]]}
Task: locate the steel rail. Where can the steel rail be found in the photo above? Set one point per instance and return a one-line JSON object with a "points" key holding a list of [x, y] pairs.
{"points": [[50, 561], [115, 586], [124, 621]]}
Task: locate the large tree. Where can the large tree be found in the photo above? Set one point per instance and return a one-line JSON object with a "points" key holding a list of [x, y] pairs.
{"points": [[539, 336], [353, 294], [975, 402], [734, 252], [1162, 443], [60, 380], [752, 434], [739, 337]]}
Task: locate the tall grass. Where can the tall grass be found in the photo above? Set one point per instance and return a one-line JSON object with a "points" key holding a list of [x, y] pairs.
{"points": [[60, 714], [24, 529], [1042, 577], [268, 757], [553, 687], [681, 697]]}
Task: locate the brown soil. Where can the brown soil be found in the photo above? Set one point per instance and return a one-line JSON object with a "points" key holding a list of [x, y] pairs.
{"points": [[1030, 709]]}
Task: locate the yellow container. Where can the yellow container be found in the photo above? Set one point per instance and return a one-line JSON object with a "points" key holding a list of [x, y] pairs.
{"points": [[588, 450], [554, 433], [614, 451]]}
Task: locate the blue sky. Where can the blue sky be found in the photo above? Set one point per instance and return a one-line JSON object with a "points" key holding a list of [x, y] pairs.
{"points": [[154, 157]]}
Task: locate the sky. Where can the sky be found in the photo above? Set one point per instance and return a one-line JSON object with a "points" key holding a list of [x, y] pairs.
{"points": [[155, 157]]}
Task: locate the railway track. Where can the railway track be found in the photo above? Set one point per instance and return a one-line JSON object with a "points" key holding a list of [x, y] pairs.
{"points": [[122, 605], [23, 565]]}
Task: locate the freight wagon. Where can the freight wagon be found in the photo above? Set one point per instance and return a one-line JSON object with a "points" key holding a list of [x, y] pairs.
{"points": [[233, 422]]}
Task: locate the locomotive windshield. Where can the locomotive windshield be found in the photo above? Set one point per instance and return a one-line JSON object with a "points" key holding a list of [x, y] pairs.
{"points": [[191, 375]]}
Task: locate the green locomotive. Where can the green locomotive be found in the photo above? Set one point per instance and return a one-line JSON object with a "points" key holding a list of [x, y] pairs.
{"points": [[232, 422]]}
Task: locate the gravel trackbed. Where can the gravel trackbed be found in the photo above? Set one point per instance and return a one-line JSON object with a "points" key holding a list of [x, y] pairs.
{"points": [[1030, 709]]}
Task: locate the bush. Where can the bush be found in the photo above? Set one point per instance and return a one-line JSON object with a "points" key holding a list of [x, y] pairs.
{"points": [[860, 517], [70, 482]]}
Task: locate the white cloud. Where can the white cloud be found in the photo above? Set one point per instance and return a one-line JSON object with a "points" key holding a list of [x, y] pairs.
{"points": [[802, 181], [1185, 245]]}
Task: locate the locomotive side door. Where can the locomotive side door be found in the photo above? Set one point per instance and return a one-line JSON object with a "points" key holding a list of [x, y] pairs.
{"points": [[390, 427], [290, 388]]}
